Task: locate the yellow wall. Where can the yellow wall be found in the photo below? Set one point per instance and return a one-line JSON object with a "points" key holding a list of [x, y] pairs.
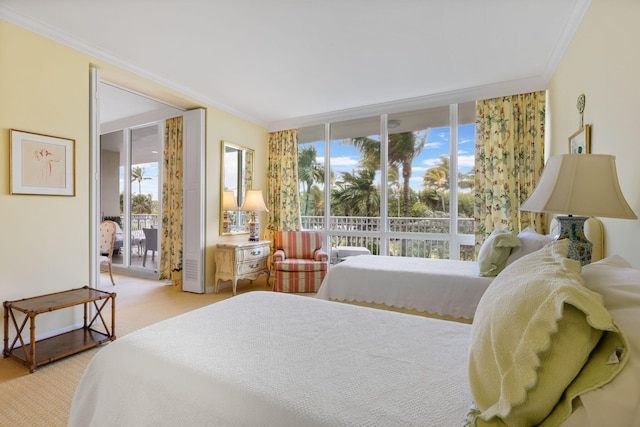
{"points": [[44, 240], [603, 62]]}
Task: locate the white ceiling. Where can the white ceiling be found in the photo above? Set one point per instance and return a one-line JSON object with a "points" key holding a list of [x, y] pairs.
{"points": [[282, 63]]}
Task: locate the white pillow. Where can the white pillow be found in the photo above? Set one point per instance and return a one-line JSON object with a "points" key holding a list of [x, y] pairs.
{"points": [[531, 241], [494, 252], [617, 403]]}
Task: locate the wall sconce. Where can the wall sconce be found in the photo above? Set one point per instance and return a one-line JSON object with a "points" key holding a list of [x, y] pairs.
{"points": [[579, 184], [228, 204], [254, 202]]}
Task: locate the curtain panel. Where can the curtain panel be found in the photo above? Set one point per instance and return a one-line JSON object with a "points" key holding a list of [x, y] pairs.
{"points": [[282, 184], [171, 246], [509, 157]]}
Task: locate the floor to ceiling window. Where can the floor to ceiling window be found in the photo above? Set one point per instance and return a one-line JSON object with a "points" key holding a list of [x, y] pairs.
{"points": [[389, 181]]}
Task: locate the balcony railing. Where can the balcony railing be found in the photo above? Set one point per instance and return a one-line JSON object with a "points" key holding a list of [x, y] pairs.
{"points": [[396, 224], [140, 221], [366, 232]]}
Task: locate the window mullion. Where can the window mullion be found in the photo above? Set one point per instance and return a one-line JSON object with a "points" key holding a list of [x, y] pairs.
{"points": [[384, 175], [454, 243]]}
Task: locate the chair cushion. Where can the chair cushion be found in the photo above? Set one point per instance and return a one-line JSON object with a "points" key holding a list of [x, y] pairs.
{"points": [[300, 265], [299, 244]]}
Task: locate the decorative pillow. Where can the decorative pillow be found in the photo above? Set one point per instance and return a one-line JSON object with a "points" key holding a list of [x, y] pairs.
{"points": [[495, 251], [536, 342], [531, 241]]}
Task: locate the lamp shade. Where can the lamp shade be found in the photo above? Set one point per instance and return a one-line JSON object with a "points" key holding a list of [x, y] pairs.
{"points": [[229, 202], [580, 184], [254, 202]]}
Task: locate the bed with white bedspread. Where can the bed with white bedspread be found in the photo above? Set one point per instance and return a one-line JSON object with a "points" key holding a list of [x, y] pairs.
{"points": [[447, 288], [274, 359], [443, 288]]}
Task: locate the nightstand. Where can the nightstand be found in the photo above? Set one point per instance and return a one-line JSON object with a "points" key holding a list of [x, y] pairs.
{"points": [[246, 260]]}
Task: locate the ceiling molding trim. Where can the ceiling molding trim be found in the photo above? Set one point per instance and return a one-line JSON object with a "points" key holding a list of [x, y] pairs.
{"points": [[513, 87], [51, 33], [569, 30]]}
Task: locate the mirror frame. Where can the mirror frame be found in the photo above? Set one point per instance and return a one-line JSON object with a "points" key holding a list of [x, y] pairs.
{"points": [[244, 176]]}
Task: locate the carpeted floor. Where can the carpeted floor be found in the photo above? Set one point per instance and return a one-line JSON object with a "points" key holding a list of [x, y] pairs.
{"points": [[44, 397]]}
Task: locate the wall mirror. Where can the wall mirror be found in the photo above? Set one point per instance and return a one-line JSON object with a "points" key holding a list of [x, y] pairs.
{"points": [[236, 177]]}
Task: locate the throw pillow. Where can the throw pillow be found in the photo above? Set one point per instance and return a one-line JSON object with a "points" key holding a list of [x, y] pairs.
{"points": [[494, 252]]}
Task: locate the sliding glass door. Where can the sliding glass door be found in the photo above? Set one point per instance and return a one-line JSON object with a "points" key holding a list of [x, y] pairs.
{"points": [[131, 183]]}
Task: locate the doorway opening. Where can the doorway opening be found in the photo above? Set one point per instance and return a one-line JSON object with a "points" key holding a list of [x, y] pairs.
{"points": [[130, 147]]}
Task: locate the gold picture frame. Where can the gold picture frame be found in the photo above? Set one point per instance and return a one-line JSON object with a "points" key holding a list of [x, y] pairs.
{"points": [[42, 164], [580, 142]]}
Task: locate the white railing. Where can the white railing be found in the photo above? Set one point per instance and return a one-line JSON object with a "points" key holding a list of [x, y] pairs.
{"points": [[366, 232], [396, 224]]}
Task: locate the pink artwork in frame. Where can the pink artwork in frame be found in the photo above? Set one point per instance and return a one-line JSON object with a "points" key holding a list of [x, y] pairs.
{"points": [[42, 164]]}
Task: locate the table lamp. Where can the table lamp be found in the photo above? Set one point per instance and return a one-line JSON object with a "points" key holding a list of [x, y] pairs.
{"points": [[254, 202], [579, 185], [228, 204]]}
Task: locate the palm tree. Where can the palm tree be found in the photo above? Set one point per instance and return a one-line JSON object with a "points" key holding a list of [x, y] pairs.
{"points": [[466, 180], [404, 147], [394, 182], [309, 172], [137, 174], [437, 178], [358, 194], [317, 201]]}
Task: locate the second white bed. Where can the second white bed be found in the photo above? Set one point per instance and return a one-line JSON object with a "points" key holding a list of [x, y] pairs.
{"points": [[441, 287]]}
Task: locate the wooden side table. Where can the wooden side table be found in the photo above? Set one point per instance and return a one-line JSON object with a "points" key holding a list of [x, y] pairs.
{"points": [[246, 260], [37, 353]]}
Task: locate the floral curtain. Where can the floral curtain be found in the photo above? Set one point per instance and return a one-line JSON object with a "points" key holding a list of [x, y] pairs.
{"points": [[171, 248], [282, 184], [509, 157]]}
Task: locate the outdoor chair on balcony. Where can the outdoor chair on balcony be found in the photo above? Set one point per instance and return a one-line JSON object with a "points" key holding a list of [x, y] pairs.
{"points": [[107, 238], [150, 243], [300, 264]]}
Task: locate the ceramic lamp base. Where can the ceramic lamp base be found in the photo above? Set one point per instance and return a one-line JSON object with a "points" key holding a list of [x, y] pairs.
{"points": [[572, 228], [254, 228], [226, 223]]}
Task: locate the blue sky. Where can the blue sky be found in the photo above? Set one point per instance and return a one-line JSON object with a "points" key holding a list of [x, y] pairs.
{"points": [[344, 158], [149, 186]]}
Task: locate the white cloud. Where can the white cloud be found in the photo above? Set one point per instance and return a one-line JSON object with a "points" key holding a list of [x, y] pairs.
{"points": [[343, 161], [436, 144], [466, 161], [429, 163]]}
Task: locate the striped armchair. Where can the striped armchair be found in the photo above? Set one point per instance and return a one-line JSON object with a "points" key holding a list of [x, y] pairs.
{"points": [[299, 262]]}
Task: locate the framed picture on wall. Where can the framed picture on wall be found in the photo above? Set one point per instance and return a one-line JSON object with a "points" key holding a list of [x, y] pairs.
{"points": [[42, 164], [580, 142]]}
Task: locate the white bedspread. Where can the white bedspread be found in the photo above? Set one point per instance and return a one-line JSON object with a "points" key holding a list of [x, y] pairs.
{"points": [[437, 286], [273, 359]]}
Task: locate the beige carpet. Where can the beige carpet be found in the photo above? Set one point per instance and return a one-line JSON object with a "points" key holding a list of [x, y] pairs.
{"points": [[44, 397]]}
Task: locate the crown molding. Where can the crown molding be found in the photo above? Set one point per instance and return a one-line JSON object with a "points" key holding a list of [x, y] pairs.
{"points": [[51, 33], [495, 90], [569, 30]]}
